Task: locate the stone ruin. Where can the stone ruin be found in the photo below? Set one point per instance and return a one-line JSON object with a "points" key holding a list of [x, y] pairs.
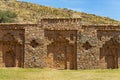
{"points": [[60, 43]]}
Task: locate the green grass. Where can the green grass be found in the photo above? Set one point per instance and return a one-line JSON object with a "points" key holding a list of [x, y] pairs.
{"points": [[51, 74]]}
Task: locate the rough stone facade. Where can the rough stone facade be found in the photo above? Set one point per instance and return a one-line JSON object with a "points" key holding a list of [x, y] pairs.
{"points": [[62, 43]]}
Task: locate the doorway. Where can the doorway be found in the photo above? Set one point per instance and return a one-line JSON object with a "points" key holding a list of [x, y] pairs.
{"points": [[63, 55], [62, 49], [12, 51], [109, 52], [9, 59]]}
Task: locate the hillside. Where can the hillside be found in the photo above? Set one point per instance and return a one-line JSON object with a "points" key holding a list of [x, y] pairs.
{"points": [[30, 13]]}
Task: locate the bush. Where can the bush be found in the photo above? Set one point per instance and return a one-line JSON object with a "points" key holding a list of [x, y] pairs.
{"points": [[7, 16]]}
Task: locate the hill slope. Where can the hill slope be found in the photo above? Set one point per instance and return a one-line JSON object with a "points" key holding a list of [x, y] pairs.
{"points": [[30, 13]]}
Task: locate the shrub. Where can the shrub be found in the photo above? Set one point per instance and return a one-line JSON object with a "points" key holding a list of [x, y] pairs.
{"points": [[7, 16]]}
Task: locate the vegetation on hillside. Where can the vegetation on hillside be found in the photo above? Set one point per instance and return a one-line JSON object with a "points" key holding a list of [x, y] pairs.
{"points": [[7, 16], [30, 13]]}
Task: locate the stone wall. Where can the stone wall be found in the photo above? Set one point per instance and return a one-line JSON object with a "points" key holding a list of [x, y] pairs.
{"points": [[73, 45], [86, 41], [11, 45], [65, 28], [87, 49], [34, 40], [60, 49], [89, 43], [98, 36], [30, 37]]}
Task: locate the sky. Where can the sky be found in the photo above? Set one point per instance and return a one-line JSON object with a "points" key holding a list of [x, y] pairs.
{"points": [[107, 8]]}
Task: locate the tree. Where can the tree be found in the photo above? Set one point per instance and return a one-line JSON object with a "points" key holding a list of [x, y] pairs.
{"points": [[7, 16]]}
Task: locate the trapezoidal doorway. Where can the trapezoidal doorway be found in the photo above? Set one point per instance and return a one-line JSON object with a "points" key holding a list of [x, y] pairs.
{"points": [[61, 52], [63, 55], [9, 58], [109, 54], [12, 51]]}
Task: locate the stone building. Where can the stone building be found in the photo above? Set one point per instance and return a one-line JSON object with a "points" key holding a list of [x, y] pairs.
{"points": [[60, 43]]}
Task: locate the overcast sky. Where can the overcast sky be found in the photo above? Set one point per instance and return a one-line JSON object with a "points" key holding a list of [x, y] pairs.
{"points": [[108, 8]]}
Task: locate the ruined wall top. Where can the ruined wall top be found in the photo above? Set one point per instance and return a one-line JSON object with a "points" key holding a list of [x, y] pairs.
{"points": [[102, 27], [60, 23], [59, 20], [73, 24], [15, 25]]}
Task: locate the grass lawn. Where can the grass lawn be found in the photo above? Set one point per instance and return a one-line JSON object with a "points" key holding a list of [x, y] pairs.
{"points": [[50, 74]]}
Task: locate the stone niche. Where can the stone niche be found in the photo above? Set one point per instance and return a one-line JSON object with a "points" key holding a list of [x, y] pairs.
{"points": [[12, 48], [87, 45], [34, 43], [109, 52], [61, 49]]}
